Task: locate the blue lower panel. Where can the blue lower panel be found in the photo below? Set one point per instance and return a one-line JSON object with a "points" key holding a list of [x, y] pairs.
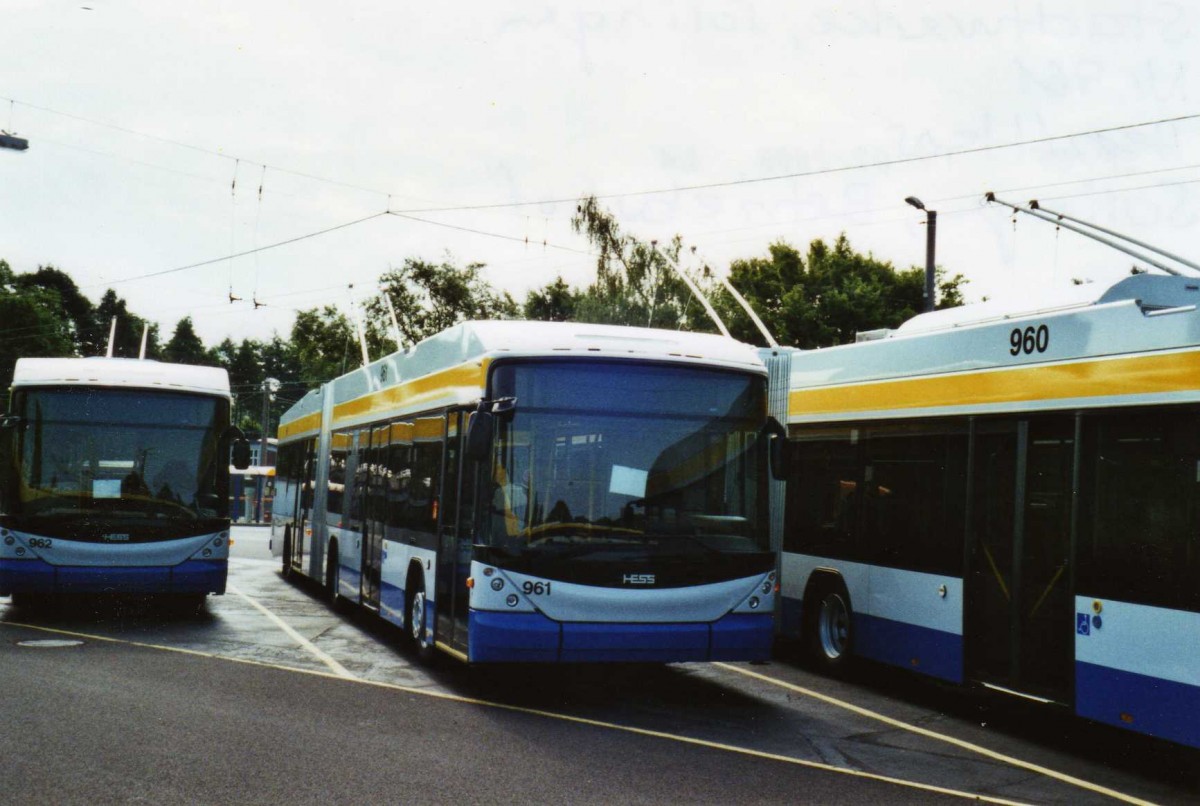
{"points": [[36, 576], [391, 602], [531, 637], [742, 636], [1149, 705], [932, 652], [511, 637], [656, 643]]}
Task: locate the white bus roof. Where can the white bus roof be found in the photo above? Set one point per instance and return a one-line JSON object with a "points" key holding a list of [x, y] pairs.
{"points": [[471, 343], [120, 372]]}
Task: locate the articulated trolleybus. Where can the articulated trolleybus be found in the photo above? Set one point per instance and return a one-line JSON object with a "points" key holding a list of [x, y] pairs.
{"points": [[1010, 498], [115, 480], [542, 492]]}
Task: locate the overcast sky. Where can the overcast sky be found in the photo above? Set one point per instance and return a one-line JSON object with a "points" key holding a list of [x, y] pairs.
{"points": [[140, 117]]}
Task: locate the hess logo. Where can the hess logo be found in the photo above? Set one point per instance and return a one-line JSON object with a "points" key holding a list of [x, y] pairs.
{"points": [[637, 579]]}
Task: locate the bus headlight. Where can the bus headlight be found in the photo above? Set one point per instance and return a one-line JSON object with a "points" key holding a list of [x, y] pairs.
{"points": [[512, 600], [208, 552], [497, 584], [753, 602], [766, 588], [8, 541]]}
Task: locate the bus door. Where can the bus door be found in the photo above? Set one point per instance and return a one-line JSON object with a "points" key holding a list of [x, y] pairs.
{"points": [[453, 564], [302, 536], [1019, 627], [374, 514]]}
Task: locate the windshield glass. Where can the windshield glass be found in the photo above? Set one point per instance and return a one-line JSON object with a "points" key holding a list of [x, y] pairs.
{"points": [[613, 456], [135, 456]]}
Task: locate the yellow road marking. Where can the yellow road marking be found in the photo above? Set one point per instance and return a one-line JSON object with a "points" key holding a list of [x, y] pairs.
{"points": [[941, 737], [743, 751]]}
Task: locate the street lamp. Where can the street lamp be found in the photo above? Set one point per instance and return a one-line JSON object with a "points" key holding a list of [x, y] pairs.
{"points": [[930, 240]]}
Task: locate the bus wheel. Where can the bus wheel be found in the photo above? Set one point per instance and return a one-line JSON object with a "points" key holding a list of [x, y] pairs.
{"points": [[415, 620], [287, 554], [829, 626], [331, 581]]}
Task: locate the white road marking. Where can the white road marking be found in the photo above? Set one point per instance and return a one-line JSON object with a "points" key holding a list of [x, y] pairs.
{"points": [[337, 668], [941, 737]]}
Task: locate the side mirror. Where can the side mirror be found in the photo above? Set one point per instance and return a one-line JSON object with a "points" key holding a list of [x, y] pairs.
{"points": [[241, 453], [776, 436], [479, 434]]}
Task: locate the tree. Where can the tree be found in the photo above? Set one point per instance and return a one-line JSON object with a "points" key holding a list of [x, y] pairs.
{"points": [[324, 342], [127, 341], [554, 302], [828, 296], [89, 336], [430, 297], [31, 324], [636, 282], [185, 347]]}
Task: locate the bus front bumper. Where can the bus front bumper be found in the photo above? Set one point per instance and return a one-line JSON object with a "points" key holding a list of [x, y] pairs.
{"points": [[38, 576], [533, 638]]}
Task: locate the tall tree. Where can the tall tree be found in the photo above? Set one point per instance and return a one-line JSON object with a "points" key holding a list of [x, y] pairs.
{"points": [[127, 341], [430, 297], [325, 343], [89, 336], [554, 302], [185, 347], [31, 324], [636, 282], [827, 296]]}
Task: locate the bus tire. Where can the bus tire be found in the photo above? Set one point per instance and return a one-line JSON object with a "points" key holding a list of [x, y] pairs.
{"points": [[336, 602], [286, 570], [416, 630], [829, 625]]}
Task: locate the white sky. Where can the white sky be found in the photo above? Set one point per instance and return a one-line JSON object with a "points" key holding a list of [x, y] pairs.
{"points": [[472, 103]]}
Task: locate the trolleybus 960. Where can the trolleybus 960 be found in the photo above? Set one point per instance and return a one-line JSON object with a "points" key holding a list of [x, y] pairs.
{"points": [[115, 479], [1009, 497], [542, 492]]}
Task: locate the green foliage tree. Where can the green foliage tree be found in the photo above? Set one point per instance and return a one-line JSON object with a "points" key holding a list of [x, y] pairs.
{"points": [[324, 342], [31, 324], [185, 347], [430, 297], [636, 283], [827, 296], [88, 333], [554, 302], [127, 341]]}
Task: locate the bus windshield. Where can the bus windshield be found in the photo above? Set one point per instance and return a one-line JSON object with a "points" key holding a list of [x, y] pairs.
{"points": [[617, 457], [91, 459]]}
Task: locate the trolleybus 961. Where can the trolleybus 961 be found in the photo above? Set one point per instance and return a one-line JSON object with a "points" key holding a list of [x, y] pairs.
{"points": [[115, 479], [1009, 497], [543, 492]]}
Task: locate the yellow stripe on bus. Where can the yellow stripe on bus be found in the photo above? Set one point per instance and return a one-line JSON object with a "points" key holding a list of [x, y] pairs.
{"points": [[1139, 375], [414, 394], [301, 425]]}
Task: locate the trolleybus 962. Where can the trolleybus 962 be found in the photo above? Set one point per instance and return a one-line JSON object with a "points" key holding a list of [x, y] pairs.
{"points": [[1009, 497], [542, 492], [115, 479]]}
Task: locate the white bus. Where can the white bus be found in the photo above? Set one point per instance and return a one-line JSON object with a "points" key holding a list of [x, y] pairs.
{"points": [[608, 502], [1010, 497], [115, 479]]}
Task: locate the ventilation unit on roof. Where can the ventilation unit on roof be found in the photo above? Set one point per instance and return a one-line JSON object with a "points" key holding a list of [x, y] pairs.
{"points": [[873, 335]]}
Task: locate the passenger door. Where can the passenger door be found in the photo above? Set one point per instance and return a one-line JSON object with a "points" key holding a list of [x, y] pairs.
{"points": [[1019, 619]]}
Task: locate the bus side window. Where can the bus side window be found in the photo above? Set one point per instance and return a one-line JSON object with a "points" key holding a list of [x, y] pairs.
{"points": [[824, 490]]}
